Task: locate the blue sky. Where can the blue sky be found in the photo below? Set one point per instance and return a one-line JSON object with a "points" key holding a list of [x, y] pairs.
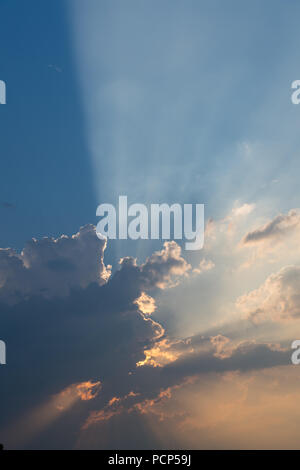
{"points": [[45, 172], [150, 100], [171, 93], [170, 101]]}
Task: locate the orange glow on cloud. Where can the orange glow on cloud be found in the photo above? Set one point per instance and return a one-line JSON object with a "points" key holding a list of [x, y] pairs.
{"points": [[146, 304], [160, 355], [88, 390], [41, 417], [147, 406], [114, 407]]}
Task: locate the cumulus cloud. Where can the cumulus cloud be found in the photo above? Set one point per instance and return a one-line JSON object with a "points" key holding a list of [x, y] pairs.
{"points": [[51, 267], [66, 320], [164, 268], [277, 299]]}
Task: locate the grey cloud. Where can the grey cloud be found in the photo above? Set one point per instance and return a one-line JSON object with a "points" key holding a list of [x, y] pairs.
{"points": [[93, 330], [280, 225], [90, 330], [52, 266], [152, 385]]}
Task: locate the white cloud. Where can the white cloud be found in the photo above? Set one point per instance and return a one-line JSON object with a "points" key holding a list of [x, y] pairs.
{"points": [[51, 267], [243, 210], [277, 299]]}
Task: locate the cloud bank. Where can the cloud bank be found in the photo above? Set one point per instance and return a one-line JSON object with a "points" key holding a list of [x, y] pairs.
{"points": [[75, 331]]}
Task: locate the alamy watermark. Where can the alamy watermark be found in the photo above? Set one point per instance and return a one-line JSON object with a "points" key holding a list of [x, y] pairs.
{"points": [[295, 358], [2, 353], [153, 224], [2, 344], [295, 97], [2, 92]]}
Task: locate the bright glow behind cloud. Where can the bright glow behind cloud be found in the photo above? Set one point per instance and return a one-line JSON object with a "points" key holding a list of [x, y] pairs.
{"points": [[147, 102]]}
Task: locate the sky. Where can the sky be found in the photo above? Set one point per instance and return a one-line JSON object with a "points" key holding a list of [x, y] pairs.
{"points": [[165, 102]]}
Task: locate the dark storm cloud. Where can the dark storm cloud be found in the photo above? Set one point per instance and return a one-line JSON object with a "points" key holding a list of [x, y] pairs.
{"points": [[92, 330]]}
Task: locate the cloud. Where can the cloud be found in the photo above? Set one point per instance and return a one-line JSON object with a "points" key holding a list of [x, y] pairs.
{"points": [[243, 210], [164, 268], [220, 342], [274, 230], [162, 352], [34, 422], [204, 265], [87, 390], [249, 410], [66, 320], [146, 304], [52, 267], [155, 384], [276, 300]]}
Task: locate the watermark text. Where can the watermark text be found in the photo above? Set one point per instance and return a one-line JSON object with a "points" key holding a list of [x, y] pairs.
{"points": [[2, 352], [153, 224], [2, 92]]}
